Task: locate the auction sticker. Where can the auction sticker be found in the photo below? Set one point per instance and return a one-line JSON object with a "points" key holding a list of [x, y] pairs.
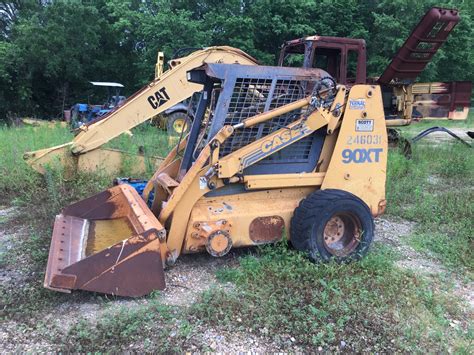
{"points": [[364, 125]]}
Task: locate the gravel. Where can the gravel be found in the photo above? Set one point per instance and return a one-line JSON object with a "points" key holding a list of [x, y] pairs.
{"points": [[186, 280], [394, 231]]}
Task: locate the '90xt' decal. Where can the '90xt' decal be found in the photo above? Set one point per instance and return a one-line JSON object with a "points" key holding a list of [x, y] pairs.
{"points": [[159, 98], [359, 156]]}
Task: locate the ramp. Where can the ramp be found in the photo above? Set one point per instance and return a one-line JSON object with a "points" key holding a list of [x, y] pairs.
{"points": [[422, 44]]}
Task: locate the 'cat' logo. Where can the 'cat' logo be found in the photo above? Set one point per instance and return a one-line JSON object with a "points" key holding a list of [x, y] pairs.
{"points": [[159, 98]]}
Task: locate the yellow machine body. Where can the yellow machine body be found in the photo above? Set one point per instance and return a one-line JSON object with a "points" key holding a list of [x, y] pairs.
{"points": [[215, 204], [240, 215]]}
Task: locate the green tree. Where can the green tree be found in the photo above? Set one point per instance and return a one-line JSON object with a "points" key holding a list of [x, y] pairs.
{"points": [[49, 50]]}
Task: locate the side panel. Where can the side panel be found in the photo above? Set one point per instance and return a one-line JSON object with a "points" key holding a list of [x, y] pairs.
{"points": [[359, 161], [240, 217], [448, 100]]}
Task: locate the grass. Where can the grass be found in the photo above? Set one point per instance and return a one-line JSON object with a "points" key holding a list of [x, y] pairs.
{"points": [[434, 189], [15, 175], [417, 127], [369, 306], [17, 178], [150, 327], [146, 138]]}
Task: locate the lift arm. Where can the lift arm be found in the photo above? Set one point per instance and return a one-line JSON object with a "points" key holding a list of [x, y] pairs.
{"points": [[237, 161], [162, 93]]}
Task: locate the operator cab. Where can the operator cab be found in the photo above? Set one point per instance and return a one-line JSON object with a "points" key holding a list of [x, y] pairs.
{"points": [[343, 58]]}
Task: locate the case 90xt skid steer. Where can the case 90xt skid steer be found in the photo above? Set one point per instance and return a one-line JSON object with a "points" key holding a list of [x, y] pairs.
{"points": [[272, 151]]}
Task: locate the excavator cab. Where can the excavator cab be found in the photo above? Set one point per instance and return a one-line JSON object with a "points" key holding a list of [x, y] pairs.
{"points": [[343, 58]]}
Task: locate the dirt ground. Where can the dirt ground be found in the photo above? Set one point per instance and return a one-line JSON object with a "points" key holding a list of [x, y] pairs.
{"points": [[186, 281]]}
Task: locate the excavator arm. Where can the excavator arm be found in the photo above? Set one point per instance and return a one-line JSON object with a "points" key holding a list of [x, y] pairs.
{"points": [[84, 152]]}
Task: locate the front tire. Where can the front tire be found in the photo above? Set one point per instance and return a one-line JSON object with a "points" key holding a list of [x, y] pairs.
{"points": [[332, 225]]}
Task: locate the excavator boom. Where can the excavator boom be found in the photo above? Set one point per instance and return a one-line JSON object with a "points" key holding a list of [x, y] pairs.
{"points": [[172, 87]]}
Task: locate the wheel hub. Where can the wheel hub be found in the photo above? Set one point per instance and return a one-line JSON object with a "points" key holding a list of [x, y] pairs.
{"points": [[334, 230], [342, 234], [219, 243], [180, 125]]}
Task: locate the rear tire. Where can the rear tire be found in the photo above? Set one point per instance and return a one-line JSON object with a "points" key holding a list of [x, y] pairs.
{"points": [[177, 122], [332, 225], [74, 118]]}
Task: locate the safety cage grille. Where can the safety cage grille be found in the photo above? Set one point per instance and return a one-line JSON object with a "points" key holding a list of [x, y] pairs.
{"points": [[252, 96]]}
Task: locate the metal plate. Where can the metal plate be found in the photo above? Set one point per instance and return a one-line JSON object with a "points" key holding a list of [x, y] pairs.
{"points": [[442, 100], [266, 229], [107, 243]]}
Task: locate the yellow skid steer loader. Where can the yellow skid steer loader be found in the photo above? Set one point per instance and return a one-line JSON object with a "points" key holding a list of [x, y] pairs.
{"points": [[272, 151]]}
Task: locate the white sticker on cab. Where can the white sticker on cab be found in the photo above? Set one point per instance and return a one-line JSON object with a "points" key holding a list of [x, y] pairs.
{"points": [[364, 125]]}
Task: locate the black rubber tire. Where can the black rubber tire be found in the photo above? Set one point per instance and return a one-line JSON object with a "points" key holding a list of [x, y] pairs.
{"points": [[312, 214], [74, 118], [172, 118], [397, 141]]}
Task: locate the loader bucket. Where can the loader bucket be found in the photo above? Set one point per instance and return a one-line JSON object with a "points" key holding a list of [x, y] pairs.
{"points": [[108, 243]]}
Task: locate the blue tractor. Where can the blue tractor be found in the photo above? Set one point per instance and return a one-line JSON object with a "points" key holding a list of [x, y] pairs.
{"points": [[81, 113]]}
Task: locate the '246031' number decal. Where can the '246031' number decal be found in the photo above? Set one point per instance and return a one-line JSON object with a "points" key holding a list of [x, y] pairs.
{"points": [[361, 155], [364, 139]]}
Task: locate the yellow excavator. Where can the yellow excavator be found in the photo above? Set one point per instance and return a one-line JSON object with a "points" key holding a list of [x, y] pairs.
{"points": [[85, 152], [177, 120]]}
